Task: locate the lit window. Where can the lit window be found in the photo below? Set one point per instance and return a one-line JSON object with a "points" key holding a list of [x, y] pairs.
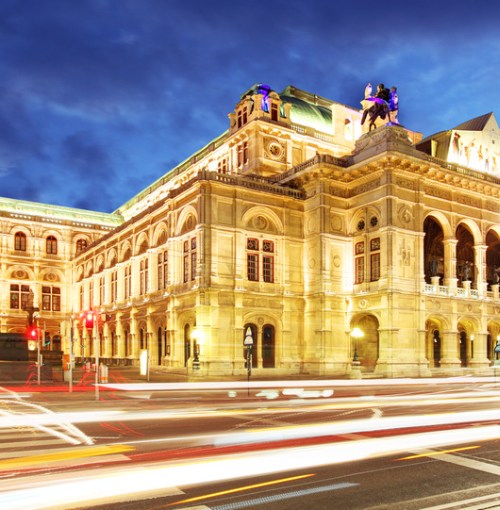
{"points": [[274, 111], [242, 116], [19, 295], [51, 299], [253, 267], [222, 166], [81, 246], [242, 150], [189, 260], [127, 282], [143, 276], [20, 241], [114, 286], [359, 263], [101, 290], [51, 245], [268, 269], [375, 259], [162, 270], [253, 260]]}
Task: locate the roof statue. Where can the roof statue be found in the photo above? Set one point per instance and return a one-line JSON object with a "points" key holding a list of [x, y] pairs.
{"points": [[382, 105]]}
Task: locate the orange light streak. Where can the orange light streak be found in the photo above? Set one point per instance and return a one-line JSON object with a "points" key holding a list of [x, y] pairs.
{"points": [[241, 489], [441, 452]]}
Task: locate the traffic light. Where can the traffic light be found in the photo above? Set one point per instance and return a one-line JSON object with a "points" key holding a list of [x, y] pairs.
{"points": [[46, 341], [31, 333], [89, 320]]}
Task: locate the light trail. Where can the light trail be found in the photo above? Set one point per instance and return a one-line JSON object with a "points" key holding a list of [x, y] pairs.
{"points": [[119, 484], [51, 418], [441, 452], [43, 417], [296, 384], [33, 461], [242, 489]]}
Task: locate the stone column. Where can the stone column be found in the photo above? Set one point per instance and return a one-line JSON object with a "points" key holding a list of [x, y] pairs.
{"points": [[450, 265], [449, 350], [480, 265]]}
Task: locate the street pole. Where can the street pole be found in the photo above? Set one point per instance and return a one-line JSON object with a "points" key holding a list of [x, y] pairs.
{"points": [[70, 355], [96, 339], [248, 343], [38, 354]]}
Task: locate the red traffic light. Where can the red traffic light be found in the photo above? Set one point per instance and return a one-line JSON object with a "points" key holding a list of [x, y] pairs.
{"points": [[89, 320], [31, 333]]}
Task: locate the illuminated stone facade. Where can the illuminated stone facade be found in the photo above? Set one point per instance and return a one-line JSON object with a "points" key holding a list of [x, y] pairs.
{"points": [[296, 223]]}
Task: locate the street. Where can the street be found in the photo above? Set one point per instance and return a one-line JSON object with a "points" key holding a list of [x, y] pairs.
{"points": [[274, 445]]}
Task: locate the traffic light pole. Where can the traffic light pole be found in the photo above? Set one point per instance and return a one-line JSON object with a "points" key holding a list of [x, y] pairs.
{"points": [[38, 355], [96, 340], [70, 354]]}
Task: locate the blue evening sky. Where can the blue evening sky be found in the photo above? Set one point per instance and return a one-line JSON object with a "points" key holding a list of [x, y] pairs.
{"points": [[99, 98]]}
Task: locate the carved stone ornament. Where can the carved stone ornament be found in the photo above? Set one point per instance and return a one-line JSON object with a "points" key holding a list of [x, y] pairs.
{"points": [[274, 150], [260, 222]]}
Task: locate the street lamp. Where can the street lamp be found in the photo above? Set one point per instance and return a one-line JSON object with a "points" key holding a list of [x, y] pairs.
{"points": [[356, 333], [248, 343]]}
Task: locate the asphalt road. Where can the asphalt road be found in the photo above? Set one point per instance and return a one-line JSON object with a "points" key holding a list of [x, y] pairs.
{"points": [[403, 446]]}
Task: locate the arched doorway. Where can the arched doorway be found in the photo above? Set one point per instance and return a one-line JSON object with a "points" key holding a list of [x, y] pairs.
{"points": [[433, 249], [367, 345], [159, 345], [462, 346], [268, 346], [492, 258], [465, 254], [436, 347]]}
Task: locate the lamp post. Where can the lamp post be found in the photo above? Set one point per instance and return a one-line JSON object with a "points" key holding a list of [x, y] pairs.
{"points": [[356, 334], [248, 343]]}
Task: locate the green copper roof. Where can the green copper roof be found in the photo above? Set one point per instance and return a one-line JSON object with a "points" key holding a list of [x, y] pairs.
{"points": [[57, 212], [308, 109]]}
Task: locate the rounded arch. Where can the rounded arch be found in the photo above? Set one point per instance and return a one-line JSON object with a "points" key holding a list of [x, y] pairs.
{"points": [[52, 232], [89, 269], [141, 244], [263, 219], [160, 234], [442, 221], [435, 326], [187, 220], [366, 345], [99, 264], [358, 222], [473, 228], [20, 272], [52, 275], [79, 273], [125, 251], [111, 258], [20, 228], [80, 243], [467, 328]]}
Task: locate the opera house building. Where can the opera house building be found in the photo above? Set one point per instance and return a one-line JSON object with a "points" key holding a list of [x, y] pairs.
{"points": [[332, 243]]}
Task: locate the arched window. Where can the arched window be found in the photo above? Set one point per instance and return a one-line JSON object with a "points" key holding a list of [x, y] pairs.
{"points": [[51, 245], [81, 246], [20, 241]]}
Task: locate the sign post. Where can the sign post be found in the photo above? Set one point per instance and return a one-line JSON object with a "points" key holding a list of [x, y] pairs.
{"points": [[248, 343]]}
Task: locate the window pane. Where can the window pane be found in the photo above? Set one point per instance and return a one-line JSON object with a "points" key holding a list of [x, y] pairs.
{"points": [[268, 269], [252, 267], [375, 266], [359, 269]]}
